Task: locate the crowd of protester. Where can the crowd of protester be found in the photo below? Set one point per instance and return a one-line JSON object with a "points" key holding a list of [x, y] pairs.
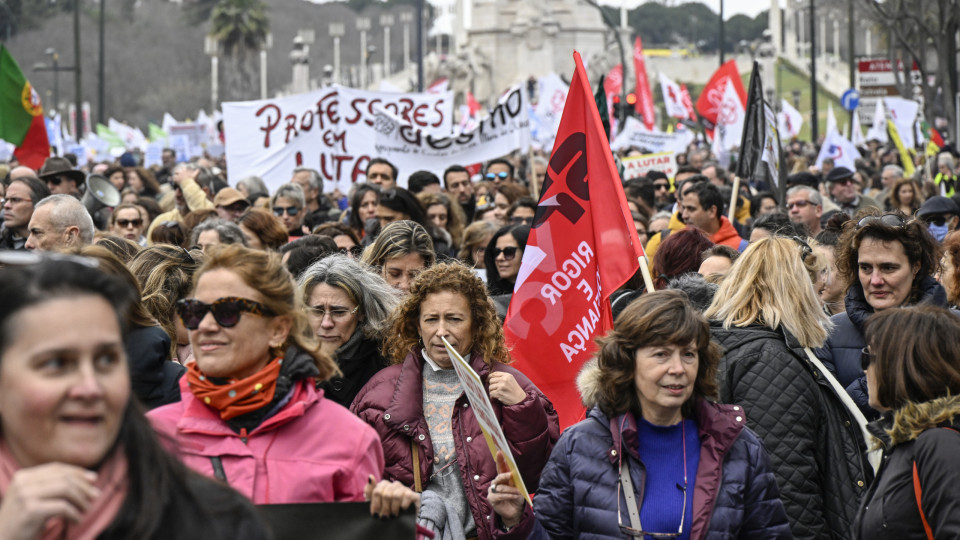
{"points": [[200, 348]]}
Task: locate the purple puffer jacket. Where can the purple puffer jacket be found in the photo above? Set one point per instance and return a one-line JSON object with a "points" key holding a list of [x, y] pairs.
{"points": [[392, 402]]}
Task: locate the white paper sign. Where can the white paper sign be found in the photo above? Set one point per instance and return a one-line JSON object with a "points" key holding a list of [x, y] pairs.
{"points": [[635, 134], [637, 166]]}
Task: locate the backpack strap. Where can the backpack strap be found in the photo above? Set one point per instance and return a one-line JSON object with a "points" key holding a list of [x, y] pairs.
{"points": [[918, 492], [417, 486]]}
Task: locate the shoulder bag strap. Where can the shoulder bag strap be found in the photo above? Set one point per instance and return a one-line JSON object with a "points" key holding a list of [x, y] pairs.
{"points": [[417, 486], [218, 471], [917, 492], [873, 456], [628, 494]]}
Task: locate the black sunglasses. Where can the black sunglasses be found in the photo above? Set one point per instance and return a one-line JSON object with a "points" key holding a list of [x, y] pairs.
{"points": [[658, 187], [502, 175], [805, 249], [866, 358], [935, 219], [128, 222], [290, 210], [889, 220], [355, 251], [226, 311], [508, 252], [55, 180], [521, 220]]}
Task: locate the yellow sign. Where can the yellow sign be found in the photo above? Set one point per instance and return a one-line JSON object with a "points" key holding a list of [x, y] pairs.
{"points": [[486, 417]]}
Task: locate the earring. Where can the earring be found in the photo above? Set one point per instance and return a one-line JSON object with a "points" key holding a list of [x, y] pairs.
{"points": [[276, 351]]}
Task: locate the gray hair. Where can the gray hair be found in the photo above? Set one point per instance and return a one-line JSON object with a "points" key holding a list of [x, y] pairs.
{"points": [[290, 191], [254, 184], [67, 211], [316, 182], [895, 169], [945, 159], [359, 281], [663, 214], [813, 197], [229, 231]]}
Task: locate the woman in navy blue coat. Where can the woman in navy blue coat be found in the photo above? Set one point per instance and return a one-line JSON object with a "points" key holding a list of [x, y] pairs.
{"points": [[693, 468]]}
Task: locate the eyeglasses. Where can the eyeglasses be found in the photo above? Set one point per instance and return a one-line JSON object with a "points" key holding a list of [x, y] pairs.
{"points": [[866, 358], [508, 252], [889, 220], [798, 204], [335, 313], [355, 251], [13, 200], [501, 175], [226, 311], [935, 219], [289, 210], [805, 249], [658, 187], [128, 222], [55, 180], [521, 220]]}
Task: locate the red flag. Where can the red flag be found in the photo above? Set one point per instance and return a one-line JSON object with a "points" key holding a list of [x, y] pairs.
{"points": [[612, 85], [687, 102], [644, 106], [582, 247], [21, 114], [712, 97]]}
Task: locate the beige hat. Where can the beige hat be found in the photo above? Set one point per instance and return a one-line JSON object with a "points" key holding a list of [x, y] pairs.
{"points": [[228, 196]]}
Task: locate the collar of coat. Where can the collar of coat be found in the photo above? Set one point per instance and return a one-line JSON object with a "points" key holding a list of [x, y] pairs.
{"points": [[908, 422], [930, 292]]}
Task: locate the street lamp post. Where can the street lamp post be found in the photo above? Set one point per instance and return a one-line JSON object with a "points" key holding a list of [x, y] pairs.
{"points": [[363, 24], [267, 45], [212, 48], [337, 30], [814, 117], [78, 87], [386, 21], [406, 18], [56, 68]]}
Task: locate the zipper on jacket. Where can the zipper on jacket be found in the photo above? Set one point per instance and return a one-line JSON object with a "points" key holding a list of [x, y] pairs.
{"points": [[243, 435]]}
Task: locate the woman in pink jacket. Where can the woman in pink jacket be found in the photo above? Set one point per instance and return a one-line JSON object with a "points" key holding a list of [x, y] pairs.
{"points": [[250, 413]]}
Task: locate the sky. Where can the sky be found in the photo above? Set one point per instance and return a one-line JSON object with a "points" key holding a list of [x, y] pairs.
{"points": [[730, 7]]}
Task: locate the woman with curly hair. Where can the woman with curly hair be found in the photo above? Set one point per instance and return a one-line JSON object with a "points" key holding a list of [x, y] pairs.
{"points": [[431, 439]]}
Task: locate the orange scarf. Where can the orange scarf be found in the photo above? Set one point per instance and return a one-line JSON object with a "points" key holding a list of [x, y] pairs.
{"points": [[112, 482], [238, 396]]}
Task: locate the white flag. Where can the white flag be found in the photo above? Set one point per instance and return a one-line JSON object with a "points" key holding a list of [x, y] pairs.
{"points": [[672, 97], [789, 120], [857, 137], [842, 151], [831, 119], [771, 144], [729, 130], [903, 112], [878, 130]]}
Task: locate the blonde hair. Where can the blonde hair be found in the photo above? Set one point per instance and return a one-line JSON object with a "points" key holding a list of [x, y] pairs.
{"points": [[770, 285]]}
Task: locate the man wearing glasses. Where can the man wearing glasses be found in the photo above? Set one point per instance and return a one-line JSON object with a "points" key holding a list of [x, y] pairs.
{"points": [[22, 194], [61, 177], [843, 191], [499, 171], [805, 206], [662, 197]]}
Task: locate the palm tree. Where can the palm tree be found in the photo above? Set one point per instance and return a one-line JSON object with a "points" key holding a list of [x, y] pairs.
{"points": [[240, 27]]}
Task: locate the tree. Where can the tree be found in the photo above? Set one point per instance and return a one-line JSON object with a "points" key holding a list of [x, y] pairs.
{"points": [[924, 32], [240, 27]]}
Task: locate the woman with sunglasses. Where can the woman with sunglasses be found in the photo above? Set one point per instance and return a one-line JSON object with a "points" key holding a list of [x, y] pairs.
{"points": [[347, 305], [912, 363], [431, 438], [250, 413], [127, 221], [77, 458], [885, 260], [655, 457], [767, 317], [502, 258], [287, 204]]}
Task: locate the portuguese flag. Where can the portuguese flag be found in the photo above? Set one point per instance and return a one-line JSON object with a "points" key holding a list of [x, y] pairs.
{"points": [[21, 114]]}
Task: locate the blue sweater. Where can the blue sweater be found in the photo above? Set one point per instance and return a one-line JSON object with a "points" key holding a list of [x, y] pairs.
{"points": [[661, 451]]}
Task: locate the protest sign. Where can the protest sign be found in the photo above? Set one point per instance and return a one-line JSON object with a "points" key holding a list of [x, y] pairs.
{"points": [[635, 135], [486, 416], [329, 130], [637, 166]]}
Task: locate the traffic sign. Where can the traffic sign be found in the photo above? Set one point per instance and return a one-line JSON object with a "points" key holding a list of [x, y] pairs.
{"points": [[850, 99]]}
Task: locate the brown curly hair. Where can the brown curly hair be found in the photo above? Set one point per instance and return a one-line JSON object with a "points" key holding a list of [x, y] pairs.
{"points": [[404, 333], [659, 318], [918, 244]]}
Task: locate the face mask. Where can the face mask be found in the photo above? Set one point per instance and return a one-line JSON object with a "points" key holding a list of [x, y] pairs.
{"points": [[939, 232]]}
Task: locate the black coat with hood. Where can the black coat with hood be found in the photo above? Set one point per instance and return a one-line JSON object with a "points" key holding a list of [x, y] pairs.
{"points": [[816, 448], [925, 434]]}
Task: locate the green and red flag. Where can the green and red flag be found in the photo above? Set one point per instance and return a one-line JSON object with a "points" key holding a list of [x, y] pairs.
{"points": [[21, 114]]}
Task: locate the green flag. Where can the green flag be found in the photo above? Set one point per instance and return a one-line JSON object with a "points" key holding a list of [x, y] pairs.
{"points": [[21, 114]]}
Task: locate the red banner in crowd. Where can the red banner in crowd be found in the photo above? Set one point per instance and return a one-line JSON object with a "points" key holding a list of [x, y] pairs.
{"points": [[582, 247], [708, 105], [687, 102], [644, 105]]}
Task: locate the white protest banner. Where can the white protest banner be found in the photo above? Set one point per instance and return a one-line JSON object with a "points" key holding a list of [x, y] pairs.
{"points": [[486, 416], [635, 134], [840, 150], [903, 112], [321, 130], [637, 166], [552, 96], [506, 129]]}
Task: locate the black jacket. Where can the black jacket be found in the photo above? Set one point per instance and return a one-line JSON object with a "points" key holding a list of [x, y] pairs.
{"points": [[154, 377], [359, 359], [915, 434], [816, 448]]}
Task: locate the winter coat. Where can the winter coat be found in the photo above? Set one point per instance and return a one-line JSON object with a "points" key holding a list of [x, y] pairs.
{"points": [[153, 376], [924, 434], [310, 450], [392, 402], [816, 447], [727, 235], [841, 353], [358, 359], [735, 496]]}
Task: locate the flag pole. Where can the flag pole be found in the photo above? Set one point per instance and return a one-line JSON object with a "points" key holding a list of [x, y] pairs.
{"points": [[733, 198], [645, 272], [532, 175]]}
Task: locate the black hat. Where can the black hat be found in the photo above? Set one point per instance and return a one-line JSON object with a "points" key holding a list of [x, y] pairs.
{"points": [[58, 166], [803, 178], [936, 206], [839, 173]]}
